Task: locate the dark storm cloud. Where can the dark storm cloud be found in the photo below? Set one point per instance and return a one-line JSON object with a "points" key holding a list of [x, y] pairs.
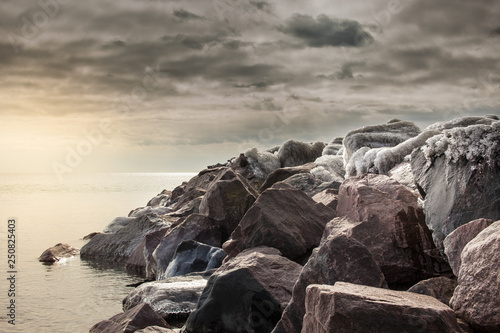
{"points": [[186, 15], [325, 31], [494, 33], [345, 72], [263, 5]]}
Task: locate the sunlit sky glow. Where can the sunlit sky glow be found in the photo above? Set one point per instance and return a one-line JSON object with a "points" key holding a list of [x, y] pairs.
{"points": [[178, 85]]}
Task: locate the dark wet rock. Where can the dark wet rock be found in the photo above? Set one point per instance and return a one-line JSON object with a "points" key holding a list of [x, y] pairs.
{"points": [[338, 258], [118, 246], [246, 294], [192, 256], [293, 153], [196, 227], [284, 173], [347, 308], [172, 299], [91, 235], [457, 173], [286, 219], [136, 318], [455, 242], [476, 299], [386, 217], [440, 288], [58, 252], [227, 199]]}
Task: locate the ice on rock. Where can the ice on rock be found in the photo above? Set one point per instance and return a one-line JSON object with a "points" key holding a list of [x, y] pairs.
{"points": [[294, 153], [333, 147], [262, 163], [329, 168], [463, 122]]}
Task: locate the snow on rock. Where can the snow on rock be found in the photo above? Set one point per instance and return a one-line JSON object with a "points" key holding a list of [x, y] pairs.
{"points": [[262, 163], [333, 147], [463, 122], [293, 153], [329, 168]]}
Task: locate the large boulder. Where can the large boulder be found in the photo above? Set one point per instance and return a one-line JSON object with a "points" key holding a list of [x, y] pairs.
{"points": [[173, 299], [386, 217], [258, 164], [192, 256], [476, 299], [293, 153], [455, 242], [441, 288], [377, 136], [338, 258], [333, 147], [286, 219], [196, 227], [117, 224], [246, 294], [281, 174], [457, 173], [134, 319], [58, 253], [347, 308], [117, 247], [227, 199], [329, 168]]}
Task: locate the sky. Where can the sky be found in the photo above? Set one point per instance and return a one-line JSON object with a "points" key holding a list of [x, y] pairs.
{"points": [[166, 86]]}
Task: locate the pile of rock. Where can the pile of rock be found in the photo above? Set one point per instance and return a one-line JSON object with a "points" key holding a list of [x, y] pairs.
{"points": [[315, 237]]}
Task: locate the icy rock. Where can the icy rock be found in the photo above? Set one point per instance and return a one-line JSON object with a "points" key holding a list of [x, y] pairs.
{"points": [[333, 147], [294, 153]]}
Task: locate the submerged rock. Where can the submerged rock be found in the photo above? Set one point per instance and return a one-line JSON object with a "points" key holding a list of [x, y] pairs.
{"points": [[347, 308], [58, 252]]}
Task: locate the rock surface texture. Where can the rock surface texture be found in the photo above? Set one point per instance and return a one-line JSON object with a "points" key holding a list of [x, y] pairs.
{"points": [[58, 252]]}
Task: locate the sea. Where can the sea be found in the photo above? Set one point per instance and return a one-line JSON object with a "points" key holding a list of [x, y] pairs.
{"points": [[73, 295]]}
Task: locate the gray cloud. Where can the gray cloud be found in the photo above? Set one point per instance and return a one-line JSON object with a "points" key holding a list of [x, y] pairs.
{"points": [[186, 15], [325, 31]]}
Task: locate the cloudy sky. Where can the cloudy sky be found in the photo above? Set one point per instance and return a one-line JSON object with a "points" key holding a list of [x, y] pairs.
{"points": [[157, 85]]}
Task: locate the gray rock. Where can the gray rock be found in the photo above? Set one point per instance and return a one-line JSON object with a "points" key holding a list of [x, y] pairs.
{"points": [[402, 174], [333, 147], [173, 299], [58, 252], [134, 319], [347, 308], [117, 224], [457, 173], [386, 217], [192, 256], [246, 294], [441, 288], [286, 219], [294, 153], [156, 329], [284, 173], [338, 258], [455, 242], [476, 299], [307, 183]]}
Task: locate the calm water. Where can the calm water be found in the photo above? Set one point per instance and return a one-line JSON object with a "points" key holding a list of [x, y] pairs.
{"points": [[72, 296]]}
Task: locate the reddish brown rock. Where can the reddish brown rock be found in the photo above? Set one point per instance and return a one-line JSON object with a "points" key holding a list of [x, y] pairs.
{"points": [[347, 308], [477, 299], [227, 199], [58, 252], [441, 288], [455, 242], [138, 317], [281, 174], [328, 197], [246, 294], [286, 219], [386, 217], [338, 258]]}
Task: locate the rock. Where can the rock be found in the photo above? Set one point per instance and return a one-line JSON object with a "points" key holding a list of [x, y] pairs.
{"points": [[346, 308], [196, 227], [476, 299], [246, 294], [402, 174], [329, 168], [468, 156], [141, 211], [377, 136], [172, 299], [118, 246], [117, 224], [188, 203], [286, 219], [307, 183], [455, 242], [136, 318], [260, 164], [58, 252], [156, 329], [293, 153], [386, 217], [440, 288], [333, 147], [284, 173], [226, 201], [338, 258], [161, 200], [463, 122], [91, 235], [192, 256], [328, 197]]}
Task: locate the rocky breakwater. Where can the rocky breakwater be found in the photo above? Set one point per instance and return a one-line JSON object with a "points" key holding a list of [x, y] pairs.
{"points": [[316, 237]]}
